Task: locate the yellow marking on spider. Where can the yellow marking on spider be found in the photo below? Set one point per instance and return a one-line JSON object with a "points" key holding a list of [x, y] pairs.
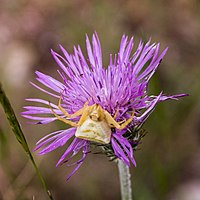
{"points": [[94, 124]]}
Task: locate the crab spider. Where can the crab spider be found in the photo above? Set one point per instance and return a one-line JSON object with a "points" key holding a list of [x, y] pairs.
{"points": [[94, 124]]}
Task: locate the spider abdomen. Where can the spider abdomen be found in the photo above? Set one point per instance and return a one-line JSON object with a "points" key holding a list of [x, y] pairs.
{"points": [[97, 131]]}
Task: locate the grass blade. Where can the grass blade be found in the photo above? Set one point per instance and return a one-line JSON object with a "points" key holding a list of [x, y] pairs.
{"points": [[19, 134]]}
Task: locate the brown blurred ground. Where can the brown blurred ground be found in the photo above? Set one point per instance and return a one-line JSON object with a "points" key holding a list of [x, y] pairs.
{"points": [[169, 161]]}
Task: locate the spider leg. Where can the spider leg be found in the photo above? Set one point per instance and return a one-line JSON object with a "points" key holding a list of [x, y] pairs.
{"points": [[116, 113], [116, 124], [80, 112], [62, 119], [115, 116], [122, 126], [121, 122], [62, 109], [76, 114]]}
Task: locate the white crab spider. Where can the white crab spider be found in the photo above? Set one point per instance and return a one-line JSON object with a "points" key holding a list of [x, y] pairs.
{"points": [[95, 123]]}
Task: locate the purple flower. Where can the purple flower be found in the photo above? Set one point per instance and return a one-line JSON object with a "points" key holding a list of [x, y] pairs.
{"points": [[110, 101]]}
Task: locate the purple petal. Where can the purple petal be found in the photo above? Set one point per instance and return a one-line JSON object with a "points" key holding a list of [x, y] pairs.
{"points": [[62, 66], [45, 91], [80, 162], [64, 134], [174, 97], [146, 114], [58, 142], [50, 82], [42, 101], [119, 152], [126, 146], [68, 151]]}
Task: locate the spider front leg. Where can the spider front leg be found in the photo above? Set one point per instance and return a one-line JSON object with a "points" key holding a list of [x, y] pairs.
{"points": [[62, 119], [126, 123], [76, 114], [115, 116], [116, 124]]}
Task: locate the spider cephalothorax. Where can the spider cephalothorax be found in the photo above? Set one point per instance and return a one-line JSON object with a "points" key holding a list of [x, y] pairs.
{"points": [[94, 124]]}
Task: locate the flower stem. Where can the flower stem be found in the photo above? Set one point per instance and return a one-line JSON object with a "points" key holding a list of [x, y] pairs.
{"points": [[125, 181]]}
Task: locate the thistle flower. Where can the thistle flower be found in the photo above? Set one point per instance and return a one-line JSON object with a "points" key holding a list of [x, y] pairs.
{"points": [[110, 104]]}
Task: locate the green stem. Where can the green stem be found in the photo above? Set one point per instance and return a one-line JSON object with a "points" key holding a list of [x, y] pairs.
{"points": [[125, 181], [19, 135]]}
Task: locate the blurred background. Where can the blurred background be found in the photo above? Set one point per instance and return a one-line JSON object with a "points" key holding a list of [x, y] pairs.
{"points": [[168, 162]]}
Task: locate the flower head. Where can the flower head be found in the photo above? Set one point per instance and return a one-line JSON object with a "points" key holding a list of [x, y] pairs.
{"points": [[102, 105]]}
